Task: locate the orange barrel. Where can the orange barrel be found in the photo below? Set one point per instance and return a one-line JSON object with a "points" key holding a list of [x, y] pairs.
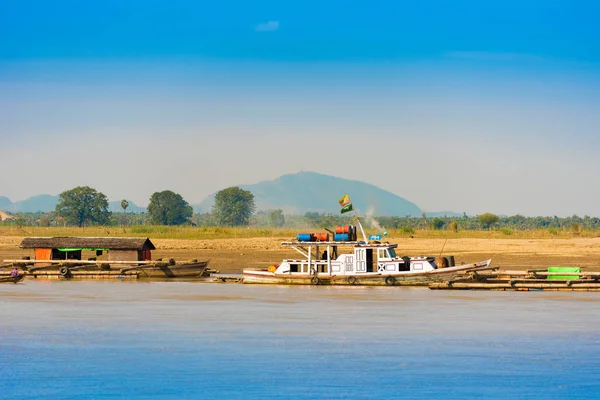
{"points": [[322, 237], [342, 229]]}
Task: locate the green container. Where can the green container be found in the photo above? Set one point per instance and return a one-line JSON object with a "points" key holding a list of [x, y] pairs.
{"points": [[563, 269]]}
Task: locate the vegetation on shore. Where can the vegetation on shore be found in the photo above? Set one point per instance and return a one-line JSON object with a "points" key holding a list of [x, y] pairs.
{"points": [[84, 211], [199, 233]]}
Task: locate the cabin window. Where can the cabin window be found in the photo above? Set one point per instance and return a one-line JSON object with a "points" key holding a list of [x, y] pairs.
{"points": [[392, 253], [293, 267], [382, 253], [405, 266], [417, 266]]}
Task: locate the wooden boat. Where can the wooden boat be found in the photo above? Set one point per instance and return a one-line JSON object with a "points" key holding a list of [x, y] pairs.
{"points": [[563, 279], [12, 279], [366, 263], [146, 269], [64, 257], [187, 270]]}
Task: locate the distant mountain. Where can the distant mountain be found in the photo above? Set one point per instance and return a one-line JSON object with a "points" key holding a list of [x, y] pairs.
{"points": [[46, 203], [42, 202], [39, 203], [304, 192], [5, 203]]}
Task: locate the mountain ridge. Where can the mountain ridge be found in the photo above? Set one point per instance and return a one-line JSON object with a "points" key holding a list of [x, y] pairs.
{"points": [[308, 191], [48, 202], [295, 194]]}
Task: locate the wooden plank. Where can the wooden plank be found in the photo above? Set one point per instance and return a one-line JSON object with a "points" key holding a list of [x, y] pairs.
{"points": [[79, 262]]}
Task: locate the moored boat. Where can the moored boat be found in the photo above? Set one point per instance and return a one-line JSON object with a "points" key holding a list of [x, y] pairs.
{"points": [[12, 278], [186, 270], [356, 263], [64, 257]]}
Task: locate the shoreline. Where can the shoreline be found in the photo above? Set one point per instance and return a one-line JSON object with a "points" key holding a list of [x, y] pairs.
{"points": [[232, 255]]}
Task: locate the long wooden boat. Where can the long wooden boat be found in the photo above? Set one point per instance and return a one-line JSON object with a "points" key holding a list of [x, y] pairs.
{"points": [[187, 270], [147, 269], [12, 279], [366, 263]]}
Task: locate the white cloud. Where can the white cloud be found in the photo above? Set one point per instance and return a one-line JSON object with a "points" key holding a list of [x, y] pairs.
{"points": [[270, 26]]}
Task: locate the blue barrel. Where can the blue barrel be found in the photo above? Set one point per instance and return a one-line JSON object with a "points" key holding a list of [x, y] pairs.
{"points": [[341, 237], [305, 237]]}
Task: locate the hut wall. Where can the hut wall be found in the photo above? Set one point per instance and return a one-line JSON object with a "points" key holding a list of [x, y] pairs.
{"points": [[124, 255], [43, 254]]}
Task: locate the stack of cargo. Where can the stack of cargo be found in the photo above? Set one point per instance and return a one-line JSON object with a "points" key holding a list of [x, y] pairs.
{"points": [[346, 233], [313, 237]]}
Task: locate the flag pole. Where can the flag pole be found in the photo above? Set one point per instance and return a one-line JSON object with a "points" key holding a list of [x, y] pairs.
{"points": [[345, 202], [360, 226]]}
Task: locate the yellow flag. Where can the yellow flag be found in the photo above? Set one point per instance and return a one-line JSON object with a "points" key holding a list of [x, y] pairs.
{"points": [[344, 201]]}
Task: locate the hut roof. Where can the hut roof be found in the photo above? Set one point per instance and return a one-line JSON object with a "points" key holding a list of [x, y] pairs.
{"points": [[116, 243]]}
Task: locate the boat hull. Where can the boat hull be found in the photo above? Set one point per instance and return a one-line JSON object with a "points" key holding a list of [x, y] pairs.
{"points": [[12, 279], [186, 271], [251, 276]]}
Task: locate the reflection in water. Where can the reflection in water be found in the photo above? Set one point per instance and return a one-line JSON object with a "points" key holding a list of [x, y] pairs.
{"points": [[189, 340]]}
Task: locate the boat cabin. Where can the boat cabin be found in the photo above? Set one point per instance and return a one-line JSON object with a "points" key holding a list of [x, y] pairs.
{"points": [[71, 248], [364, 258]]}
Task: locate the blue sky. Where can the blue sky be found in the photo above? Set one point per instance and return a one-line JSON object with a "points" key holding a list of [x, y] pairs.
{"points": [[456, 106]]}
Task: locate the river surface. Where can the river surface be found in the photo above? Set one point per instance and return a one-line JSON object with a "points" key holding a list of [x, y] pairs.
{"points": [[179, 340]]}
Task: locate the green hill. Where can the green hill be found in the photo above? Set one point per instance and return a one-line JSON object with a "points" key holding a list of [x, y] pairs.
{"points": [[312, 192]]}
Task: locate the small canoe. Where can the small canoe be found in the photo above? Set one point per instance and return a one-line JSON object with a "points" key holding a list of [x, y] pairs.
{"points": [[12, 279]]}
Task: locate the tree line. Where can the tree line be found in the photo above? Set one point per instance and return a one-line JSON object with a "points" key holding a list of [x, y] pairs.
{"points": [[85, 206]]}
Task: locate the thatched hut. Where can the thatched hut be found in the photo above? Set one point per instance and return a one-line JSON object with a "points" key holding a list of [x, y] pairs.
{"points": [[70, 248]]}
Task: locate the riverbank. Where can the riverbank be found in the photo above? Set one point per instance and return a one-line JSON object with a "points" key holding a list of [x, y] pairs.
{"points": [[231, 255]]}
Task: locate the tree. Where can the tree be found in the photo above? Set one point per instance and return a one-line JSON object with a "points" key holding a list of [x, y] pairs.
{"points": [[437, 223], [83, 205], [124, 205], [168, 208], [233, 206], [453, 226], [276, 218], [488, 219]]}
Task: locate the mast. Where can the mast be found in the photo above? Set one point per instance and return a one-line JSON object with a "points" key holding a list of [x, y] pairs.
{"points": [[360, 226]]}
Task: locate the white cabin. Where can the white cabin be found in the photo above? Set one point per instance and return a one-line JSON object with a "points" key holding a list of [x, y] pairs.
{"points": [[322, 258]]}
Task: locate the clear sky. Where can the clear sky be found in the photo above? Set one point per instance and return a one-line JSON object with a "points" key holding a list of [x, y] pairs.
{"points": [[459, 106]]}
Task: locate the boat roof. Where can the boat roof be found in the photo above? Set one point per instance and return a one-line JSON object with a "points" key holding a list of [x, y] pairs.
{"points": [[72, 242], [353, 244]]}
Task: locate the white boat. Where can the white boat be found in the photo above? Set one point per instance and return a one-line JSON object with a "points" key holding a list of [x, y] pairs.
{"points": [[362, 263]]}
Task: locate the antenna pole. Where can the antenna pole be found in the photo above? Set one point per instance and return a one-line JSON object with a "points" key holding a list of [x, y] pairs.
{"points": [[360, 226], [441, 251]]}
